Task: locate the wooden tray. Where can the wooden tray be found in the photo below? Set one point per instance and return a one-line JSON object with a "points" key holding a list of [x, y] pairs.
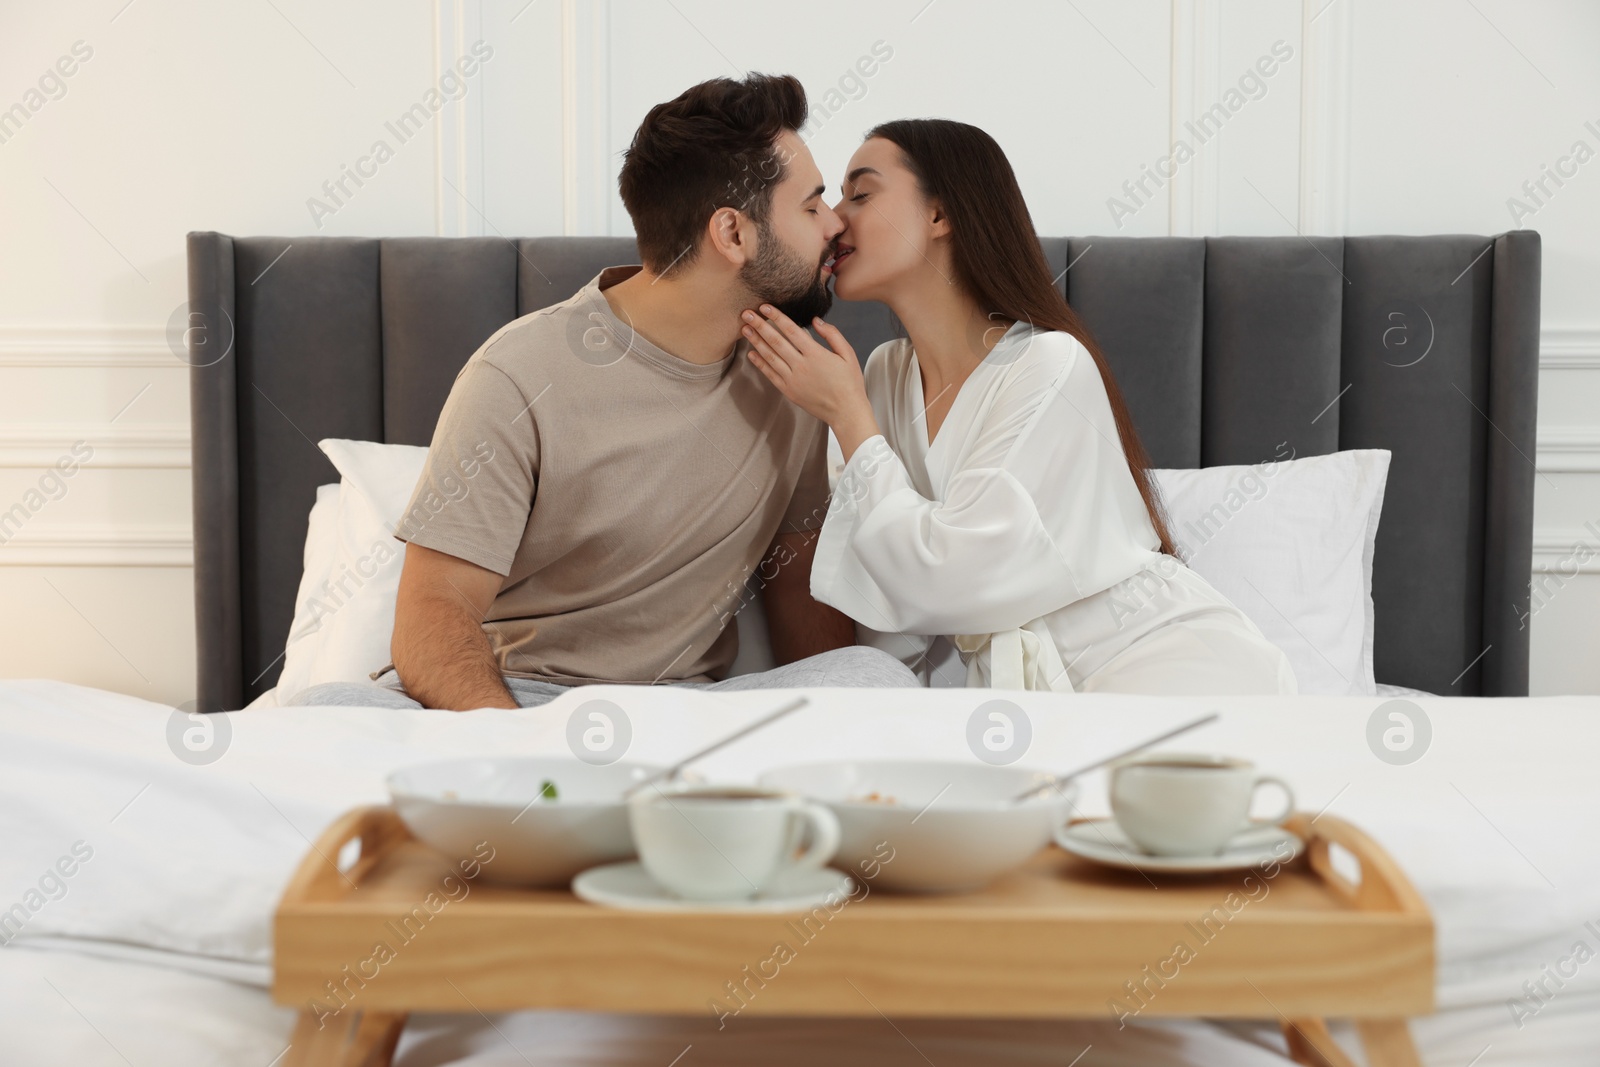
{"points": [[1061, 937]]}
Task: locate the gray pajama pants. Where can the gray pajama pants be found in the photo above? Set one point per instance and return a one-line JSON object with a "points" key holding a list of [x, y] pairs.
{"points": [[854, 667]]}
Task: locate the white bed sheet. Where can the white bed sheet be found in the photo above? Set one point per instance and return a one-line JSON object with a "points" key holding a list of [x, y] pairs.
{"points": [[66, 1008], [1493, 825], [76, 1010], [69, 1008]]}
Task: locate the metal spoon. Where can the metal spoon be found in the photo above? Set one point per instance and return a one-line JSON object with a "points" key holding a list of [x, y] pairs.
{"points": [[1057, 780], [673, 771]]}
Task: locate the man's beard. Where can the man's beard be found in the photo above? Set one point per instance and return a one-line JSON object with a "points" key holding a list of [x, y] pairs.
{"points": [[782, 279]]}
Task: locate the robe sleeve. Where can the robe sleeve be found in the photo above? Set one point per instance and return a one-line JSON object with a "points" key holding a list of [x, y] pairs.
{"points": [[1041, 512]]}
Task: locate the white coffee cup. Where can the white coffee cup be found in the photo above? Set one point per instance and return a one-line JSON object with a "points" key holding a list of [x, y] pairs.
{"points": [[728, 842], [1188, 804]]}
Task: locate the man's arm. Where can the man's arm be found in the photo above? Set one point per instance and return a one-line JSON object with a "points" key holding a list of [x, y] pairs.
{"points": [[439, 648], [798, 625]]}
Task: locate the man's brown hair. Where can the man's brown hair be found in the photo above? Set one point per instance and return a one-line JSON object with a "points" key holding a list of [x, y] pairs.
{"points": [[711, 147]]}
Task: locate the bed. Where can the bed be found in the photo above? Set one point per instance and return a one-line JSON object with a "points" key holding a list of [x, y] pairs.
{"points": [[1225, 346]]}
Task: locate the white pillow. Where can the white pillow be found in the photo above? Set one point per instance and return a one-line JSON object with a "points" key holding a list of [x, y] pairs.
{"points": [[345, 537], [351, 608], [386, 475], [1290, 543], [317, 561]]}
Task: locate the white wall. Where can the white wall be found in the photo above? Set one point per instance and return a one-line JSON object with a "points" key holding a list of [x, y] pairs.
{"points": [[1416, 117]]}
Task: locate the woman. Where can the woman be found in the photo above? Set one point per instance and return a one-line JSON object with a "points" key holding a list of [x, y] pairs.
{"points": [[994, 489]]}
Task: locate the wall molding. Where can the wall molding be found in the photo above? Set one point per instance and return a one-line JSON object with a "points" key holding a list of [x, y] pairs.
{"points": [[1553, 549], [458, 135], [147, 446], [1560, 347], [1569, 348], [569, 116], [1196, 81], [1568, 448], [89, 545], [1326, 62], [86, 346], [588, 171]]}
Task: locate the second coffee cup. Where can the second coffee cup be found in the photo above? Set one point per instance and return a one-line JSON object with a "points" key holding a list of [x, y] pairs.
{"points": [[1186, 804], [728, 842]]}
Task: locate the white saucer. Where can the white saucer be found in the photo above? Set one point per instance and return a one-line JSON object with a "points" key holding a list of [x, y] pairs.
{"points": [[627, 885], [1103, 841]]}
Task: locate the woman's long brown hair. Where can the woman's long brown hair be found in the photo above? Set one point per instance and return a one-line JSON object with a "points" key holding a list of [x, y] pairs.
{"points": [[998, 259]]}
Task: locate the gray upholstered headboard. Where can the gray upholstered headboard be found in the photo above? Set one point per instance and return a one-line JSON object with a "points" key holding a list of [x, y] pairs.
{"points": [[1225, 346]]}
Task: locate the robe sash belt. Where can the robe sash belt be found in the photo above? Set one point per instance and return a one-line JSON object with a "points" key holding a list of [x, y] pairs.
{"points": [[1022, 658]]}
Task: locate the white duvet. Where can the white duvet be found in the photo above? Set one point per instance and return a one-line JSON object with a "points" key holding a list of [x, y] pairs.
{"points": [[175, 869]]}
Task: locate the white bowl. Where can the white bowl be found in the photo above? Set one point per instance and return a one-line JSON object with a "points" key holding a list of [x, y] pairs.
{"points": [[952, 827], [456, 805]]}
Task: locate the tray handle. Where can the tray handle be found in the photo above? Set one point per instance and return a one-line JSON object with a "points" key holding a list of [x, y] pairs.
{"points": [[1383, 886], [318, 877]]}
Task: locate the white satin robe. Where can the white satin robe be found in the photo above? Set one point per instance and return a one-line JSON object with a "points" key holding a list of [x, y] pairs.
{"points": [[1020, 535]]}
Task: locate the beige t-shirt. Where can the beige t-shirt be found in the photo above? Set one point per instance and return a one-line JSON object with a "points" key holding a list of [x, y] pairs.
{"points": [[625, 494]]}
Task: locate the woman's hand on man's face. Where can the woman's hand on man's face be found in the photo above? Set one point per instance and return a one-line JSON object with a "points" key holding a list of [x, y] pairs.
{"points": [[824, 380]]}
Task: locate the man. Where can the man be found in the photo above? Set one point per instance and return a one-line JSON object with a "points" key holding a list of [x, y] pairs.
{"points": [[626, 466]]}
